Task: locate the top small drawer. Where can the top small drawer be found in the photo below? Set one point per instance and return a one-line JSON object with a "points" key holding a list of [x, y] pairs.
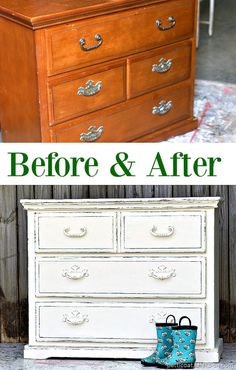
{"points": [[76, 232], [93, 41], [163, 232]]}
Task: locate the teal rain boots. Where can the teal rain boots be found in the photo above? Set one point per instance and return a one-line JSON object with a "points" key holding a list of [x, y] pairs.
{"points": [[164, 343], [183, 353]]}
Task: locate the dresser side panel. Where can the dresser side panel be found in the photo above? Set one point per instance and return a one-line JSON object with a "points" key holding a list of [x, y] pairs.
{"points": [[31, 275], [19, 105], [41, 57], [194, 54], [217, 275], [212, 286]]}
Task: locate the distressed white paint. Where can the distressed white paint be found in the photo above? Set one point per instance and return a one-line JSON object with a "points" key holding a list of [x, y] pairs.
{"points": [[136, 231], [111, 322], [99, 232], [115, 276], [87, 300], [118, 204]]}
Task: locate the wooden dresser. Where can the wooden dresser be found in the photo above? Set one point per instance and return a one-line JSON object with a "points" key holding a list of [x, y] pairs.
{"points": [[101, 272], [100, 70]]}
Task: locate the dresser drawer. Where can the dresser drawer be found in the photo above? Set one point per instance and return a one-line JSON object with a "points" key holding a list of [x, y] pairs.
{"points": [[65, 322], [161, 232], [92, 41], [129, 121], [154, 277], [87, 91], [159, 68], [91, 232]]}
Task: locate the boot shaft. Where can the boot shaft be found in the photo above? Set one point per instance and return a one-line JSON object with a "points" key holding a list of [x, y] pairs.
{"points": [[184, 339], [164, 340]]}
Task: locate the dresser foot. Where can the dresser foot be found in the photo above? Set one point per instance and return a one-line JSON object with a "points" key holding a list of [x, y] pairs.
{"points": [[135, 353]]}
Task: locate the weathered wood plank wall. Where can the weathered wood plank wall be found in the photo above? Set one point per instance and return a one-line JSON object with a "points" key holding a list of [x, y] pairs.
{"points": [[13, 246]]}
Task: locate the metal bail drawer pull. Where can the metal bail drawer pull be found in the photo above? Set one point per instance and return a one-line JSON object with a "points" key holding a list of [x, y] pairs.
{"points": [[75, 318], [81, 234], [163, 66], [163, 108], [93, 47], [75, 273], [154, 231], [162, 273], [90, 89], [93, 134], [172, 22]]}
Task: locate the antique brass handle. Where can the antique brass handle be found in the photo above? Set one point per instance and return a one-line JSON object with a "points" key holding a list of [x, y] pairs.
{"points": [[93, 134], [81, 234], [75, 318], [154, 231], [172, 24], [90, 89], [97, 37], [163, 66], [162, 273], [75, 273], [163, 108]]}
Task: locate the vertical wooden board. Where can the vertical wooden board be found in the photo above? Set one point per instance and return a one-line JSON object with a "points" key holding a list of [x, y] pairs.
{"points": [[200, 191], [23, 192], [148, 191], [129, 191], [114, 191], [140, 191], [79, 191], [61, 192], [43, 192], [163, 191], [232, 259], [181, 191], [9, 315], [224, 208], [96, 192], [136, 191]]}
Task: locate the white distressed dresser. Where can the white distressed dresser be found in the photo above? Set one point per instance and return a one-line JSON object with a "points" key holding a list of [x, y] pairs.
{"points": [[101, 272]]}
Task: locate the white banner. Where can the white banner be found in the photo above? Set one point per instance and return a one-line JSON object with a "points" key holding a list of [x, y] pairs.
{"points": [[114, 164]]}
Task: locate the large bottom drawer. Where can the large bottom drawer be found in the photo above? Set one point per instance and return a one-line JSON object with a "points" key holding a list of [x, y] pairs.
{"points": [[110, 322], [130, 120]]}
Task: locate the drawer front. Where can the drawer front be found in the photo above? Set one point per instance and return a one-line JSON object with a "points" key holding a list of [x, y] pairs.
{"points": [[92, 41], [87, 92], [131, 120], [61, 322], [161, 232], [159, 68], [121, 277], [93, 232]]}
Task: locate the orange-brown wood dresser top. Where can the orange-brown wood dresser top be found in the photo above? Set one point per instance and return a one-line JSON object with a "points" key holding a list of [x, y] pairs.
{"points": [[96, 71]]}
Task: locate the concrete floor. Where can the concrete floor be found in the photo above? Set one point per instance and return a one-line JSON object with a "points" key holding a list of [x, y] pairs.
{"points": [[216, 57], [11, 359]]}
